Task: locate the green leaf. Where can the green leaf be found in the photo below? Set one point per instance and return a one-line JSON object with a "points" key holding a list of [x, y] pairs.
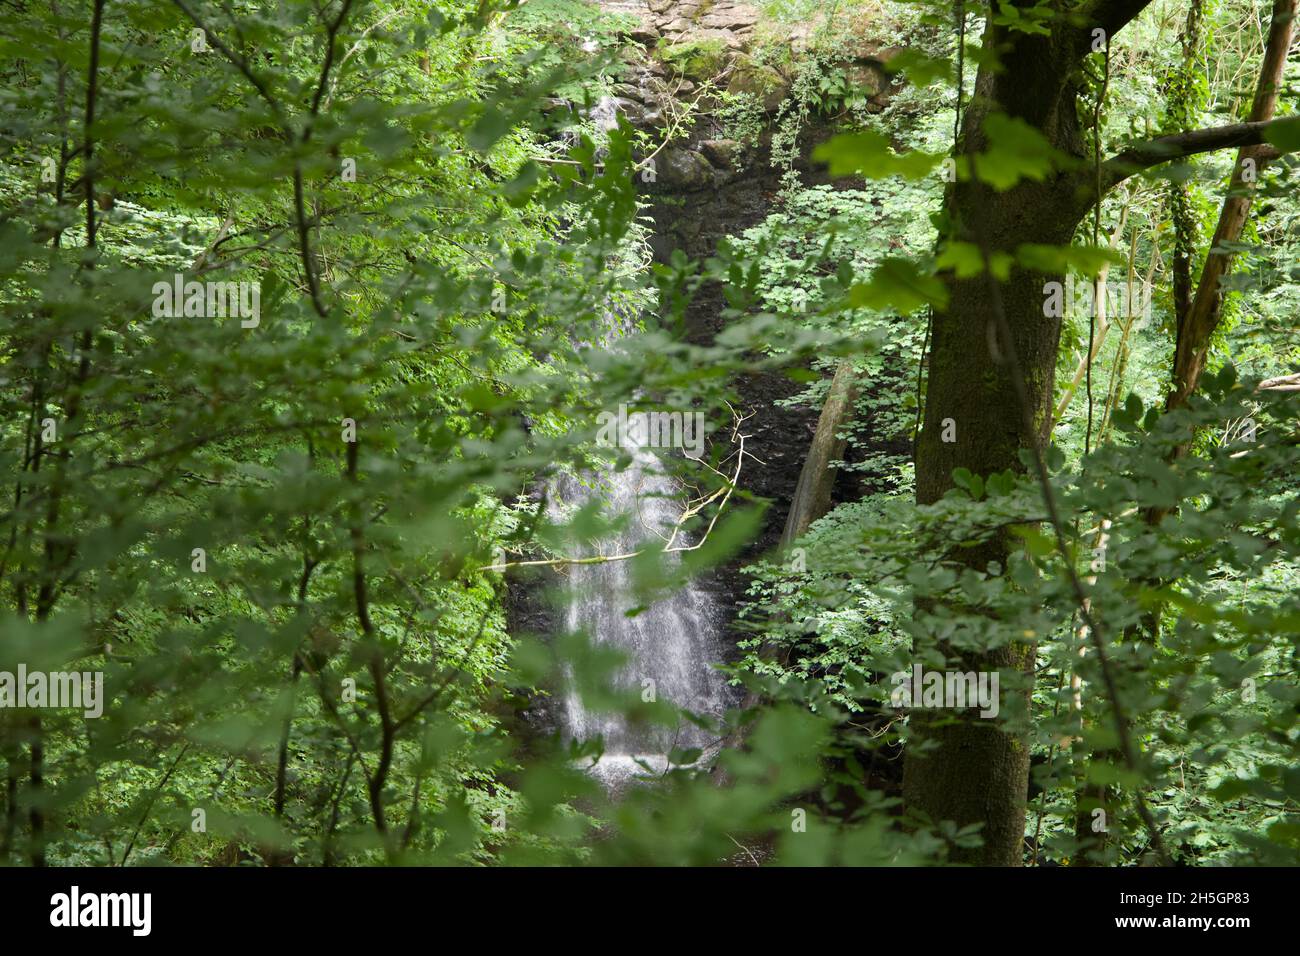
{"points": [[1015, 151], [1285, 134], [869, 154], [487, 130], [898, 284], [921, 69], [967, 261], [1058, 260]]}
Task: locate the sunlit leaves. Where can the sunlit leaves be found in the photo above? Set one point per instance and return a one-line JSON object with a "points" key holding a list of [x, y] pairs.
{"points": [[966, 260], [898, 284], [1058, 260], [869, 154], [1015, 151], [919, 68], [1285, 134], [1025, 19]]}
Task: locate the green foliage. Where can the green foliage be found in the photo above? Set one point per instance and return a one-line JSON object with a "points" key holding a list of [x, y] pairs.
{"points": [[277, 534], [868, 154]]}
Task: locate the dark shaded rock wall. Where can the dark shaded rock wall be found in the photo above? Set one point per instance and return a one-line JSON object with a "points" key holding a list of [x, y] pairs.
{"points": [[704, 187]]}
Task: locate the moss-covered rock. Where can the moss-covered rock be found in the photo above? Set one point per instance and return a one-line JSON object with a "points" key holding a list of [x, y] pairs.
{"points": [[720, 152], [683, 169], [763, 82], [697, 59]]}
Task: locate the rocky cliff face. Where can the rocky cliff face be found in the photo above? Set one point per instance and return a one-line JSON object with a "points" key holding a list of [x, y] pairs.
{"points": [[684, 60], [693, 56], [730, 21], [686, 56]]}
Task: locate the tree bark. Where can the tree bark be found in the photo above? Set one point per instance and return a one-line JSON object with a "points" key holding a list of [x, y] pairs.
{"points": [[812, 495], [972, 770], [812, 499], [969, 770]]}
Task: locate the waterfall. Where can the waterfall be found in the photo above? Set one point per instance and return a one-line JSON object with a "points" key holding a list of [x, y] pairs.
{"points": [[671, 644]]}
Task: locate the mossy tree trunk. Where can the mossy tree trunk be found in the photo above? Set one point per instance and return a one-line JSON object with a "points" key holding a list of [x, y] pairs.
{"points": [[973, 770]]}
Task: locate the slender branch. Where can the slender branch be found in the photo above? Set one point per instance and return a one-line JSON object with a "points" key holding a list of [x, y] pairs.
{"points": [[58, 555], [153, 798], [1097, 336], [361, 596], [282, 758], [692, 509], [1282, 383], [334, 83], [1096, 232], [238, 62], [299, 203], [309, 564], [327, 853], [197, 266], [304, 242], [453, 672], [331, 34], [1164, 149]]}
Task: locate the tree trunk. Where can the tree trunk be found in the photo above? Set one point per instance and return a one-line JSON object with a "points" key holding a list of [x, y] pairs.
{"points": [[812, 496], [969, 770], [973, 770], [812, 500]]}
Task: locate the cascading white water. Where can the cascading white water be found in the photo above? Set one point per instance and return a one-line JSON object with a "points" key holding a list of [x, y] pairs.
{"points": [[673, 642]]}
